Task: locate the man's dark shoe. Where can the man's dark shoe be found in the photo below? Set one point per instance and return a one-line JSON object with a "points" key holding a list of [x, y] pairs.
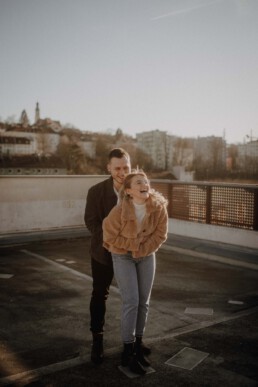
{"points": [[97, 352]]}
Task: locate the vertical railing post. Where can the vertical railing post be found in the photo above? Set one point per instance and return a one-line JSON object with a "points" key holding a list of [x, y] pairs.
{"points": [[170, 199], [255, 217], [208, 204]]}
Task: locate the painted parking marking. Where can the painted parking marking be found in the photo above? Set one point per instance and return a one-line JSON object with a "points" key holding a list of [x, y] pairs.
{"points": [[187, 358], [39, 372], [131, 375], [203, 311], [64, 268], [67, 364], [211, 257], [6, 276], [235, 302], [203, 324], [70, 262]]}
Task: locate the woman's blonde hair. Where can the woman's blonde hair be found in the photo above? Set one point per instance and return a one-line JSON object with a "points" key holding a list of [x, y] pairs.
{"points": [[127, 184], [128, 180]]}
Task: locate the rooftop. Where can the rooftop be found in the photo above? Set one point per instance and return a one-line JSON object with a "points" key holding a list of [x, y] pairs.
{"points": [[203, 315]]}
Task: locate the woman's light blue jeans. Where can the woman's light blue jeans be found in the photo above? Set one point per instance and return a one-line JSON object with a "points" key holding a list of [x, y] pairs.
{"points": [[134, 278]]}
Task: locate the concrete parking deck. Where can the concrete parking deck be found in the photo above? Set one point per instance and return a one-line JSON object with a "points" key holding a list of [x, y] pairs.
{"points": [[204, 301]]}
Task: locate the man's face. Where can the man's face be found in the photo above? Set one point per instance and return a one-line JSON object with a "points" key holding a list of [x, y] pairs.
{"points": [[118, 169]]}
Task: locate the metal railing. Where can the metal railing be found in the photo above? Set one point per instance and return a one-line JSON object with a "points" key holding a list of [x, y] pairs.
{"points": [[231, 205]]}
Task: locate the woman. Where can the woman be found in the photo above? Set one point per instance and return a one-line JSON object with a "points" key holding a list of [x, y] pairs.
{"points": [[133, 231]]}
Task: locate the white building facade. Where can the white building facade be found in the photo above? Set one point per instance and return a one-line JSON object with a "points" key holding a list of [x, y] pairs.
{"points": [[155, 143], [17, 144]]}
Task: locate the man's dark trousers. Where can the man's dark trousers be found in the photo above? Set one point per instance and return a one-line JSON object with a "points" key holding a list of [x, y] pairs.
{"points": [[102, 277]]}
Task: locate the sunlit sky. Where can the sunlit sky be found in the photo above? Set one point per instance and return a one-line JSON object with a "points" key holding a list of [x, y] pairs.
{"points": [[188, 67]]}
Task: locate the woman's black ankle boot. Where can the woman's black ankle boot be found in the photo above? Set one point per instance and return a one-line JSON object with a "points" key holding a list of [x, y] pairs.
{"points": [[135, 366], [140, 354], [129, 358], [145, 349]]}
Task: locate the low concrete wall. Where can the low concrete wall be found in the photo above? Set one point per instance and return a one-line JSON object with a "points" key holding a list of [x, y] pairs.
{"points": [[31, 203], [233, 236], [45, 203]]}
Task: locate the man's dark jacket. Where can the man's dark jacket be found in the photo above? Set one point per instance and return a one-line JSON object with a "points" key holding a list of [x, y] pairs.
{"points": [[100, 200]]}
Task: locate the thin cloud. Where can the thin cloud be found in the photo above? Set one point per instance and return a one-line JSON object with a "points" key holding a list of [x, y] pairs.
{"points": [[185, 10]]}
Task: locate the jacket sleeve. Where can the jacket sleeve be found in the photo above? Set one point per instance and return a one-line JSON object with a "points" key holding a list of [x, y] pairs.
{"points": [[153, 241], [91, 217], [112, 232]]}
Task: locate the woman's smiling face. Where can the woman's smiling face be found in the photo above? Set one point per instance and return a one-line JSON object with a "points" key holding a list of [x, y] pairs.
{"points": [[140, 189]]}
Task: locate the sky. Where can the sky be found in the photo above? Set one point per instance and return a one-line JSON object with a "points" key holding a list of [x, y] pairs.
{"points": [[187, 67]]}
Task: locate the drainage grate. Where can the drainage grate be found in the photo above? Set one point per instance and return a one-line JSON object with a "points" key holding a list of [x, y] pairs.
{"points": [[187, 358]]}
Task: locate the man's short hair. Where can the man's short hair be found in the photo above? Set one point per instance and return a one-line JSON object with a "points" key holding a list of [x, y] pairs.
{"points": [[118, 153]]}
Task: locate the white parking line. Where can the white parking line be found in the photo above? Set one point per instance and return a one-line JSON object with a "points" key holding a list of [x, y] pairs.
{"points": [[211, 257], [202, 311], [33, 375], [203, 324], [63, 267], [52, 368], [6, 276]]}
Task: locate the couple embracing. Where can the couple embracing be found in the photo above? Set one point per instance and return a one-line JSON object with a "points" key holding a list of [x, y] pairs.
{"points": [[128, 223]]}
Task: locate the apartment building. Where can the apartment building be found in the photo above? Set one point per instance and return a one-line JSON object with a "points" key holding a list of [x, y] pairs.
{"points": [[247, 156], [13, 145], [156, 144], [211, 151]]}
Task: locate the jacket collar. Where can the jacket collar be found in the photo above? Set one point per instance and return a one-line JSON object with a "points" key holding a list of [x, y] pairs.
{"points": [[128, 212]]}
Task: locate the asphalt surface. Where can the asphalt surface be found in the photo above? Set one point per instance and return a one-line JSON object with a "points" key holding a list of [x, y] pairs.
{"points": [[204, 311]]}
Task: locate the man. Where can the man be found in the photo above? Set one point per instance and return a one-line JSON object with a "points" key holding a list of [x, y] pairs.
{"points": [[101, 198]]}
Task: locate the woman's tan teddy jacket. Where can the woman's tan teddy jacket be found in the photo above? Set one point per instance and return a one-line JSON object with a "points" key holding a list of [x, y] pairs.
{"points": [[121, 233]]}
